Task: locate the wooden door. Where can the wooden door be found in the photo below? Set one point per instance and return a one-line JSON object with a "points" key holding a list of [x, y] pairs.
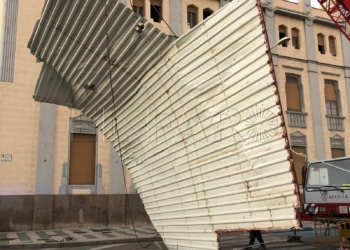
{"points": [[82, 159]]}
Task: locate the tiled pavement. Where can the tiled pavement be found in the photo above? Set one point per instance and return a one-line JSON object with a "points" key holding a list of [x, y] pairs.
{"points": [[125, 234], [77, 237]]}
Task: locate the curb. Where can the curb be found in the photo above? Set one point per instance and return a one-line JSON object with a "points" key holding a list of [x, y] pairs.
{"points": [[77, 244], [304, 229]]}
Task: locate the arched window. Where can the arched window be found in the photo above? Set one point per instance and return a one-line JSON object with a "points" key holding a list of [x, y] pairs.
{"points": [[320, 43], [332, 48], [282, 33], [192, 15], [139, 7], [293, 93], [206, 13], [295, 38], [156, 10]]}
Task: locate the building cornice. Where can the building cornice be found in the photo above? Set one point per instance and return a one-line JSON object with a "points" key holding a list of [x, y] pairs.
{"points": [[330, 74], [291, 13], [311, 61], [298, 15], [324, 21], [291, 67]]}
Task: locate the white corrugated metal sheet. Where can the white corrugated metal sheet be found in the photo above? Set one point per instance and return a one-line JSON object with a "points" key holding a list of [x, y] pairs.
{"points": [[198, 119]]}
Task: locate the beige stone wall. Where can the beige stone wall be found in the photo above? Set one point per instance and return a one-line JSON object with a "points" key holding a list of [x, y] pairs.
{"points": [[322, 60], [165, 14], [291, 23], [19, 114], [328, 57], [291, 5], [201, 5]]}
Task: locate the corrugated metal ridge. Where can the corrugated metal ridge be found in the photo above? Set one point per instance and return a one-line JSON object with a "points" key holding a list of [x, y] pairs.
{"points": [[87, 47], [199, 119], [9, 35]]}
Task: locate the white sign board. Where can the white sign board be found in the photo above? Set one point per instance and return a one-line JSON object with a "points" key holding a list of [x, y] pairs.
{"points": [[6, 157], [343, 209]]}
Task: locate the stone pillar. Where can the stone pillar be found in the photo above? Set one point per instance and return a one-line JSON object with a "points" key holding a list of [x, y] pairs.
{"points": [[46, 149], [314, 83], [175, 7], [116, 182], [346, 50]]}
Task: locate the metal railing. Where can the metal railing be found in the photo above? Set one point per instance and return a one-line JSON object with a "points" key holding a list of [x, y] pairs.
{"points": [[296, 119], [335, 122], [332, 231]]}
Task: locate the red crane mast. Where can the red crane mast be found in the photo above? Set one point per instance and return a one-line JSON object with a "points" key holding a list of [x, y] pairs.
{"points": [[339, 12]]}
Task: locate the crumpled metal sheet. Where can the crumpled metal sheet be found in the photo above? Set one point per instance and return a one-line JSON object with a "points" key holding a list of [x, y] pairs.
{"points": [[199, 121]]}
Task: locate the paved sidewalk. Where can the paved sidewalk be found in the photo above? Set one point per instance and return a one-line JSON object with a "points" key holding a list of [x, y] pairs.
{"points": [[78, 237]]}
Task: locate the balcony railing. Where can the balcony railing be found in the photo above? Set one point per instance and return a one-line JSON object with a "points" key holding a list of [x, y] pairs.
{"points": [[296, 119], [335, 122]]}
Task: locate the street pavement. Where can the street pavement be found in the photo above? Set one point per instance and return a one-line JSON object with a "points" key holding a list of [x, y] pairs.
{"points": [[70, 238], [159, 245], [123, 238], [273, 241], [230, 241]]}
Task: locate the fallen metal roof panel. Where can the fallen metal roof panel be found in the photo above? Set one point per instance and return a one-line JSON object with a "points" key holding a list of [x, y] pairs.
{"points": [[199, 120]]}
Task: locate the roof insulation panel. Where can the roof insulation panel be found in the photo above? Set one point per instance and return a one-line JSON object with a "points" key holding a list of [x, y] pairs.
{"points": [[199, 123]]}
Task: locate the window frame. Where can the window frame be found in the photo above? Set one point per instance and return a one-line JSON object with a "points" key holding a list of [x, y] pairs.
{"points": [[153, 4], [324, 43], [301, 91], [285, 45], [192, 15], [333, 39], [209, 11], [337, 92], [297, 38], [138, 10]]}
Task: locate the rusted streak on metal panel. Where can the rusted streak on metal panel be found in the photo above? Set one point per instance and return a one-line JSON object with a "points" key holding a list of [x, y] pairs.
{"points": [[268, 47]]}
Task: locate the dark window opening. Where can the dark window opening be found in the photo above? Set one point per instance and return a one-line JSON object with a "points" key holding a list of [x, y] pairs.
{"points": [[206, 14], [320, 43], [155, 13], [321, 49], [282, 33]]}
